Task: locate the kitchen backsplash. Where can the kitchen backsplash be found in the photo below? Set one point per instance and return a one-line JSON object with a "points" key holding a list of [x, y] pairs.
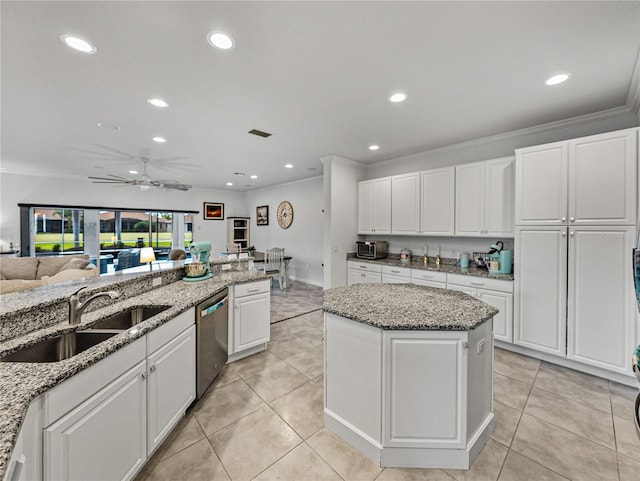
{"points": [[447, 247]]}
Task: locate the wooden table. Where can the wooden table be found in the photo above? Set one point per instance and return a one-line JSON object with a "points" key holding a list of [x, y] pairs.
{"points": [[259, 257]]}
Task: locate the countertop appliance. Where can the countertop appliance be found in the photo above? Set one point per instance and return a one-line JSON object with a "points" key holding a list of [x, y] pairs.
{"points": [[212, 334], [372, 249], [200, 252]]}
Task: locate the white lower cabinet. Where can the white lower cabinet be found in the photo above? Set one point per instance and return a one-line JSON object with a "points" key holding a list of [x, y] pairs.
{"points": [[170, 385], [363, 273], [103, 423], [495, 292], [396, 275], [104, 438], [250, 326], [429, 278], [26, 460]]}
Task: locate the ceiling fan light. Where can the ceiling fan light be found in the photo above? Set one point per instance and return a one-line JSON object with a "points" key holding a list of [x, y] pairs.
{"points": [[78, 44]]}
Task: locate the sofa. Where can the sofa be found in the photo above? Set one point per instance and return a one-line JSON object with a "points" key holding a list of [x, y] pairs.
{"points": [[19, 273]]}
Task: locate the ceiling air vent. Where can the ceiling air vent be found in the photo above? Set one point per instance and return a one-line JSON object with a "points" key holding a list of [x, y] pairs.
{"points": [[259, 133]]}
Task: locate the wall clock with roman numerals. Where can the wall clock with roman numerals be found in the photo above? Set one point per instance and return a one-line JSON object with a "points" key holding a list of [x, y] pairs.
{"points": [[284, 214]]}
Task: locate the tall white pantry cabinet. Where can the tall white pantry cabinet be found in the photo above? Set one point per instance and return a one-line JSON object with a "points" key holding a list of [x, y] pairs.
{"points": [[576, 217]]}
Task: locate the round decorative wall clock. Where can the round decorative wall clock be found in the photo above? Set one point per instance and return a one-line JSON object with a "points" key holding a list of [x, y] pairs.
{"points": [[285, 214]]}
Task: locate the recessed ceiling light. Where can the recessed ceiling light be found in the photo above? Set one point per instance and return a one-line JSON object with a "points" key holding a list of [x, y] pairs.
{"points": [[288, 166], [78, 44], [398, 97], [374, 147], [158, 103], [133, 171], [254, 176], [557, 79], [220, 40], [108, 126], [229, 184], [160, 140]]}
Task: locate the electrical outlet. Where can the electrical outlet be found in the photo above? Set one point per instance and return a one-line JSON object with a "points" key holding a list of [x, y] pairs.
{"points": [[157, 281], [481, 346]]}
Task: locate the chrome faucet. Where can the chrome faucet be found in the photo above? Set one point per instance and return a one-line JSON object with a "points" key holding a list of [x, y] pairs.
{"points": [[76, 308]]}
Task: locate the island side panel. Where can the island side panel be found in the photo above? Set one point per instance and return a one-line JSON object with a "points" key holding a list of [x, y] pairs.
{"points": [[353, 380], [424, 377], [480, 382]]}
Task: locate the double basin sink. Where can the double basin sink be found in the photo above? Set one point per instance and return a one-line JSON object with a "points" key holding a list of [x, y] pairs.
{"points": [[68, 345]]}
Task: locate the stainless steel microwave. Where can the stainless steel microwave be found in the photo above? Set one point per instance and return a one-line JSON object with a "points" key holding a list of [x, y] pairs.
{"points": [[372, 249]]}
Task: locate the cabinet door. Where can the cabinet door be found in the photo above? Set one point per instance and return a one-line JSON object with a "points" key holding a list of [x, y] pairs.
{"points": [[26, 460], [356, 276], [499, 183], [438, 201], [171, 385], [251, 321], [470, 199], [503, 321], [382, 205], [602, 179], [541, 185], [104, 438], [391, 279], [601, 310], [365, 207], [405, 204], [541, 288]]}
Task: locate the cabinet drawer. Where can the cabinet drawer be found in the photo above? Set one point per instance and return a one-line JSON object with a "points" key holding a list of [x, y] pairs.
{"points": [[251, 288], [480, 283], [163, 334], [364, 266], [396, 271], [427, 275], [73, 391]]}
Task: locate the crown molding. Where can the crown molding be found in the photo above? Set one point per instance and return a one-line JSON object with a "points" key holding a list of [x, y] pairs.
{"points": [[341, 160], [278, 186], [558, 125]]}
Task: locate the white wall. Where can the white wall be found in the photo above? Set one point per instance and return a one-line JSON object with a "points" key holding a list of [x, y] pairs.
{"points": [[341, 218], [38, 189], [303, 239]]}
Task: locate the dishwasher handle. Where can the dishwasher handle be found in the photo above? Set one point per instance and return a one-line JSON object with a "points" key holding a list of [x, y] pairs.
{"points": [[211, 309]]}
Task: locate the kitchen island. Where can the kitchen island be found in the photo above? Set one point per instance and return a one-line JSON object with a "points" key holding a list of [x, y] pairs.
{"points": [[408, 373]]}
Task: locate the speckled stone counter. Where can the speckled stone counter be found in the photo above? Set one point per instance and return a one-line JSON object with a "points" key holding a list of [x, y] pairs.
{"points": [[407, 307], [449, 266], [20, 383]]}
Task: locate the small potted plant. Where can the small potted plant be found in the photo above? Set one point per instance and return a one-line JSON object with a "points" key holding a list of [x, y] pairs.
{"points": [[251, 250]]}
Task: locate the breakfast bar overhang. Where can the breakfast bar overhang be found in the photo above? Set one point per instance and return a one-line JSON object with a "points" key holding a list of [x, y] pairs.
{"points": [[408, 373]]}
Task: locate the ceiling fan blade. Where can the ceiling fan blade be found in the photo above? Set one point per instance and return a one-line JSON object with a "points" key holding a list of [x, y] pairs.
{"points": [[182, 187], [107, 179], [116, 151]]}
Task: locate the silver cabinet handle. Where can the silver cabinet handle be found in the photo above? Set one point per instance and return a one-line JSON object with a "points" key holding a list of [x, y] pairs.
{"points": [[395, 272], [572, 219], [144, 375], [362, 275], [477, 283], [564, 234], [153, 368], [571, 233], [427, 277], [564, 219], [253, 289]]}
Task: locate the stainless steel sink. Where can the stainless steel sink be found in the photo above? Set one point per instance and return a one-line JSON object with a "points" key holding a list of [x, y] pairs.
{"points": [[58, 348], [129, 318]]}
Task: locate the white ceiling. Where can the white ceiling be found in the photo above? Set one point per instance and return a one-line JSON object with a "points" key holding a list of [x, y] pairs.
{"points": [[315, 74]]}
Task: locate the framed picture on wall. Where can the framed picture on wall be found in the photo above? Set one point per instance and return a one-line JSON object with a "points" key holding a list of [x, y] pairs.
{"points": [[262, 215], [213, 211]]}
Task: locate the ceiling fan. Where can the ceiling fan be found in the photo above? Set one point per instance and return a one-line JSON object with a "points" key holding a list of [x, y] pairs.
{"points": [[144, 182]]}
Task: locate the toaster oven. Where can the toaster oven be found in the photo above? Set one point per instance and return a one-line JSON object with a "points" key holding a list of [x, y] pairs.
{"points": [[372, 249]]}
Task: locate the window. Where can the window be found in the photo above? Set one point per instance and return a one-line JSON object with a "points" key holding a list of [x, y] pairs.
{"points": [[58, 231]]}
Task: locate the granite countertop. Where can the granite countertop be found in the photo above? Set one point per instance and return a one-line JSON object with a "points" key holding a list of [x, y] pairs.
{"points": [[20, 383], [450, 266], [408, 307]]}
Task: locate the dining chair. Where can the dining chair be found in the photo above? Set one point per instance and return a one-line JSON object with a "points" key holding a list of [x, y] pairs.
{"points": [[274, 264]]}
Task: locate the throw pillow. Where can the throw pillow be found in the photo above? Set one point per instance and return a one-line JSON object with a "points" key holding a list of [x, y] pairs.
{"points": [[75, 264]]}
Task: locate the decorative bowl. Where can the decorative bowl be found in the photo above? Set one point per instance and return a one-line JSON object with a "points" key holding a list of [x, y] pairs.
{"points": [[195, 269]]}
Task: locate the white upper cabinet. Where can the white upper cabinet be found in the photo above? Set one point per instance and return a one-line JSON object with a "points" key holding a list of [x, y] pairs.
{"points": [[602, 179], [438, 202], [405, 204], [484, 198], [374, 206], [587, 181]]}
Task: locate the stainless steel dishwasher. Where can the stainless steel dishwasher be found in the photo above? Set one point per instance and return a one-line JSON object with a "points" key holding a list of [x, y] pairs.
{"points": [[212, 334]]}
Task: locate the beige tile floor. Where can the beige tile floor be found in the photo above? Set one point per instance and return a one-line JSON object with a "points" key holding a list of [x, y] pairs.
{"points": [[262, 420]]}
